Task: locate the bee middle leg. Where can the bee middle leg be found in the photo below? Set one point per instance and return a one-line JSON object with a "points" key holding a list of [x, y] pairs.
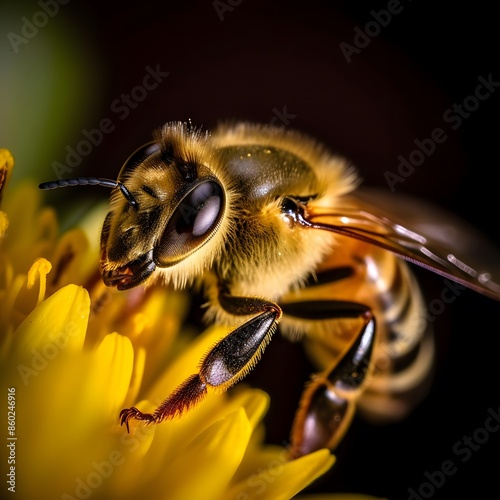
{"points": [[328, 403], [225, 364]]}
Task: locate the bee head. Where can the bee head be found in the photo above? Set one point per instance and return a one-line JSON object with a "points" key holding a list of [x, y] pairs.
{"points": [[167, 205]]}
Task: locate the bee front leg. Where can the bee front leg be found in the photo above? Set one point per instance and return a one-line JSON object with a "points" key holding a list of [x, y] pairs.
{"points": [[224, 365], [327, 405]]}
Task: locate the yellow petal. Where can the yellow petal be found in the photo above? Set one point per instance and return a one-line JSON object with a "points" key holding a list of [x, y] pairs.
{"points": [[56, 326], [68, 258], [206, 467], [32, 231], [255, 403], [4, 223], [113, 365], [155, 327], [6, 167], [282, 479], [137, 374]]}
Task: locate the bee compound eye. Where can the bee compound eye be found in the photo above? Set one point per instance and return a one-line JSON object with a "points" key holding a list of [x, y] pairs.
{"points": [[192, 224], [137, 157]]}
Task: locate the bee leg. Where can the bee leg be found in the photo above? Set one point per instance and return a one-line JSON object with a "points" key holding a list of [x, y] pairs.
{"points": [[327, 405], [224, 365]]}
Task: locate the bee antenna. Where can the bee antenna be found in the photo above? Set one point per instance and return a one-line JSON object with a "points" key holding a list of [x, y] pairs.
{"points": [[91, 181]]}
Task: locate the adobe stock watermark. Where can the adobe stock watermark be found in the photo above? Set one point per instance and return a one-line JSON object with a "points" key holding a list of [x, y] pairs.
{"points": [[453, 117], [223, 6], [31, 27], [281, 119], [121, 109], [40, 358], [436, 306], [462, 450], [100, 471], [260, 480], [421, 320], [363, 37]]}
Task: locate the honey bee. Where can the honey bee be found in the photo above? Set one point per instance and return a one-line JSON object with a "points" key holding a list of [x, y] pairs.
{"points": [[276, 230]]}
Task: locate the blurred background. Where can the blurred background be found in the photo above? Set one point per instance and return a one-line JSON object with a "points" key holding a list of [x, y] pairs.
{"points": [[83, 84]]}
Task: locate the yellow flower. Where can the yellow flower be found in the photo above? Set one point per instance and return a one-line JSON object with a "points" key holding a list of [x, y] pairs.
{"points": [[73, 355]]}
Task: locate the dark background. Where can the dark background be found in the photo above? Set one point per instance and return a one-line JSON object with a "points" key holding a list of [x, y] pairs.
{"points": [[266, 56]]}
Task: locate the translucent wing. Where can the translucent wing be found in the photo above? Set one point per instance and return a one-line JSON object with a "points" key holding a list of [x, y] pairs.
{"points": [[417, 232]]}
